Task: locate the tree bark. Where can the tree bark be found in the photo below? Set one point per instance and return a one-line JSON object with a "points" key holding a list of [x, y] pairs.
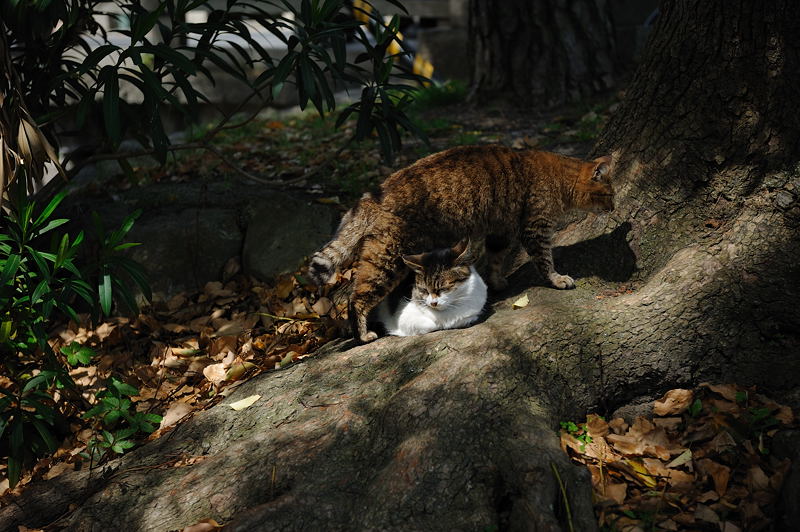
{"points": [[542, 53], [456, 429]]}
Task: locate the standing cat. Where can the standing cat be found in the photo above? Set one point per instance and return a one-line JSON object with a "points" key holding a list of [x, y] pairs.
{"points": [[490, 194], [447, 293]]}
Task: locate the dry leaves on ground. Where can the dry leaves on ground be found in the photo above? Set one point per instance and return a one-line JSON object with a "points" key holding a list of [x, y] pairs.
{"points": [[188, 353], [703, 463]]}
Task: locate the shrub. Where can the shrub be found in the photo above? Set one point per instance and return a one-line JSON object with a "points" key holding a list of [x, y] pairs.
{"points": [[38, 280]]}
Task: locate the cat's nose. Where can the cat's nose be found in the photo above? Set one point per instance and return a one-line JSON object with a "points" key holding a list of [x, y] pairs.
{"points": [[434, 303]]}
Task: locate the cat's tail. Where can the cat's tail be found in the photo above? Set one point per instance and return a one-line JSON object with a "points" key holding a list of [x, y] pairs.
{"points": [[345, 244]]}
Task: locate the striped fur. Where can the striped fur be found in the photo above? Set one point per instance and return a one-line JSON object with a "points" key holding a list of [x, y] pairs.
{"points": [[490, 194]]}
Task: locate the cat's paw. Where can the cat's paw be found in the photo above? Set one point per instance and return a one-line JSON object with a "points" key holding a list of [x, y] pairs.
{"points": [[562, 282], [369, 336]]}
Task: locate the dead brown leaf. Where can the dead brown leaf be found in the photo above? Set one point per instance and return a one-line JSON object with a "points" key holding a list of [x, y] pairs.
{"points": [[674, 402], [616, 491], [719, 473], [618, 425], [597, 426]]}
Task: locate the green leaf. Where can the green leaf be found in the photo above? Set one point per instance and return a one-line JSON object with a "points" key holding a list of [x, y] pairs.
{"points": [[111, 417], [142, 25], [47, 438], [104, 291], [47, 211], [52, 224], [124, 388], [9, 269], [695, 408], [41, 288], [5, 331], [16, 437], [124, 434], [14, 470], [77, 353], [95, 411], [111, 100]]}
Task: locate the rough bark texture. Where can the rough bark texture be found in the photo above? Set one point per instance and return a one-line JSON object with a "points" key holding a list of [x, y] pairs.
{"points": [[455, 430], [540, 53]]}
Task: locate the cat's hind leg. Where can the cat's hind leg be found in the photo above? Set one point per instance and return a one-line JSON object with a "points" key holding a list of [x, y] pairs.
{"points": [[497, 248], [380, 270]]}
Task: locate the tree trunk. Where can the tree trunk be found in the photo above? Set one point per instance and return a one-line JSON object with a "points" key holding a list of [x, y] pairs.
{"points": [[456, 429], [542, 53]]}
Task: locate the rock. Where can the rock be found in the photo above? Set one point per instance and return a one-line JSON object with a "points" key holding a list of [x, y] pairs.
{"points": [[184, 250], [281, 231]]}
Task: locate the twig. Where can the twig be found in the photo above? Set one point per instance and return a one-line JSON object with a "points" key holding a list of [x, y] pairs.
{"points": [[563, 496]]}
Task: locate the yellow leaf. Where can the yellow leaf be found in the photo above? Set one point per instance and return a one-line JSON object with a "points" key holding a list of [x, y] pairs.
{"points": [[521, 302], [681, 459], [642, 473], [244, 403]]}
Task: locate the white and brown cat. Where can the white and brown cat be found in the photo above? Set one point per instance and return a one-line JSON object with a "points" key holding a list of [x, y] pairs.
{"points": [[444, 292]]}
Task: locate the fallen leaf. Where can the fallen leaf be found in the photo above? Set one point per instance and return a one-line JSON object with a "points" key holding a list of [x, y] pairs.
{"points": [[618, 425], [670, 424], [206, 525], [704, 513], [728, 391], [596, 426], [673, 402], [680, 480], [719, 473], [521, 302], [322, 306], [642, 473], [708, 496], [681, 459], [244, 403], [175, 413], [668, 524], [215, 373], [58, 469], [616, 491], [238, 369], [727, 526], [757, 480]]}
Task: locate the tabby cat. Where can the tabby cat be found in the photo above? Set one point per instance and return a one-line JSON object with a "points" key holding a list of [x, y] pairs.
{"points": [[446, 293], [489, 194]]}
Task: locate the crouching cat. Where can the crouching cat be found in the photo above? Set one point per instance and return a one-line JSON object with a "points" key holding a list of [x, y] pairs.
{"points": [[447, 293], [490, 194]]}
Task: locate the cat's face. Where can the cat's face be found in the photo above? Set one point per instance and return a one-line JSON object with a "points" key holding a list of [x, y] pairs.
{"points": [[593, 190], [438, 288], [439, 275]]}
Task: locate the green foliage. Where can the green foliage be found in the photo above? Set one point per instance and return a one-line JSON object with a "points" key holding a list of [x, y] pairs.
{"points": [[64, 66], [38, 280], [117, 419], [579, 431], [439, 95], [695, 408]]}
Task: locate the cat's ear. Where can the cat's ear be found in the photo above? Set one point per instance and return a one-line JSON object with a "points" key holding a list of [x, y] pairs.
{"points": [[602, 168], [414, 262], [466, 253]]}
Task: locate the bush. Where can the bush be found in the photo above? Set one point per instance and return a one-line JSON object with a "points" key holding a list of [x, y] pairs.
{"points": [[37, 281], [60, 62]]}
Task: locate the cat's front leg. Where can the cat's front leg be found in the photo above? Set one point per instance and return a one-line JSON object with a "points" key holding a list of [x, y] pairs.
{"points": [[538, 241], [379, 272]]}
